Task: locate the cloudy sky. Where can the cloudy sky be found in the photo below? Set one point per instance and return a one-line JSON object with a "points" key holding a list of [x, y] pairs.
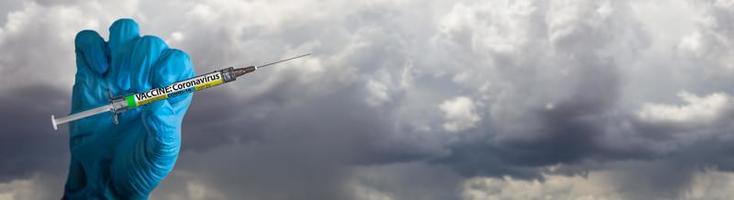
{"points": [[405, 99]]}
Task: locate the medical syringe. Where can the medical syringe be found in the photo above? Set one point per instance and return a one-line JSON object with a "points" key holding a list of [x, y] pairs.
{"points": [[194, 84]]}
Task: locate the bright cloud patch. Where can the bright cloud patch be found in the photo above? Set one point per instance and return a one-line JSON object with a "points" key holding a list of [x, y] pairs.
{"points": [[460, 114], [696, 108], [597, 185], [592, 187]]}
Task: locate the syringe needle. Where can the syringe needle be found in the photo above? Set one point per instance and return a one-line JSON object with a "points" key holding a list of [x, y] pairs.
{"points": [[280, 61]]}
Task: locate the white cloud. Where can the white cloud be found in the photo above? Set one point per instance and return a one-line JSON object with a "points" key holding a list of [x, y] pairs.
{"points": [[460, 114], [696, 109], [591, 187], [378, 93], [363, 192], [711, 185], [187, 186], [395, 182], [18, 189], [595, 185], [38, 186]]}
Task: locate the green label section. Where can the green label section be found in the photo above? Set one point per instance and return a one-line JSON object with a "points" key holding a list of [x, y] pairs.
{"points": [[131, 101]]}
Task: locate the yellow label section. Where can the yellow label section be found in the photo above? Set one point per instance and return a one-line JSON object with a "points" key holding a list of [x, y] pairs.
{"points": [[152, 99], [208, 85]]}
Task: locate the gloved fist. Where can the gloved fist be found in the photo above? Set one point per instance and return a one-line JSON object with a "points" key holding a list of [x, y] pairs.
{"points": [[127, 160]]}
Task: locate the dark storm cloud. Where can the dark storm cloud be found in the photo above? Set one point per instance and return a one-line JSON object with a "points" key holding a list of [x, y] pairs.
{"points": [[308, 151], [339, 120], [210, 122], [562, 116], [28, 144]]}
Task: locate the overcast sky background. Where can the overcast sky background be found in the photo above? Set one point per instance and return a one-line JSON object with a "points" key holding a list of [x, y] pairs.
{"points": [[403, 99]]}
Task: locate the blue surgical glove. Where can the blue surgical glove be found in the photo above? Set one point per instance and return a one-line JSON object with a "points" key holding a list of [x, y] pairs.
{"points": [[129, 159]]}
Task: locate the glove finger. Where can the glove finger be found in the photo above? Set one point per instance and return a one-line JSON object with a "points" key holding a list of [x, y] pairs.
{"points": [[163, 138], [123, 34], [162, 120], [143, 57], [173, 66], [89, 88], [138, 170], [93, 51], [90, 64]]}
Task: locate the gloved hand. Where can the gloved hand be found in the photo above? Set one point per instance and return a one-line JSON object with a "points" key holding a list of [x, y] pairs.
{"points": [[127, 160]]}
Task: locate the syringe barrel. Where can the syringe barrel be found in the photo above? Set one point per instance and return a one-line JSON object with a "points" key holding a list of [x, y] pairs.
{"points": [[179, 88]]}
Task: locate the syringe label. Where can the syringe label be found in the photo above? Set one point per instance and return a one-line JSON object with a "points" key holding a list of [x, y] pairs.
{"points": [[175, 89]]}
